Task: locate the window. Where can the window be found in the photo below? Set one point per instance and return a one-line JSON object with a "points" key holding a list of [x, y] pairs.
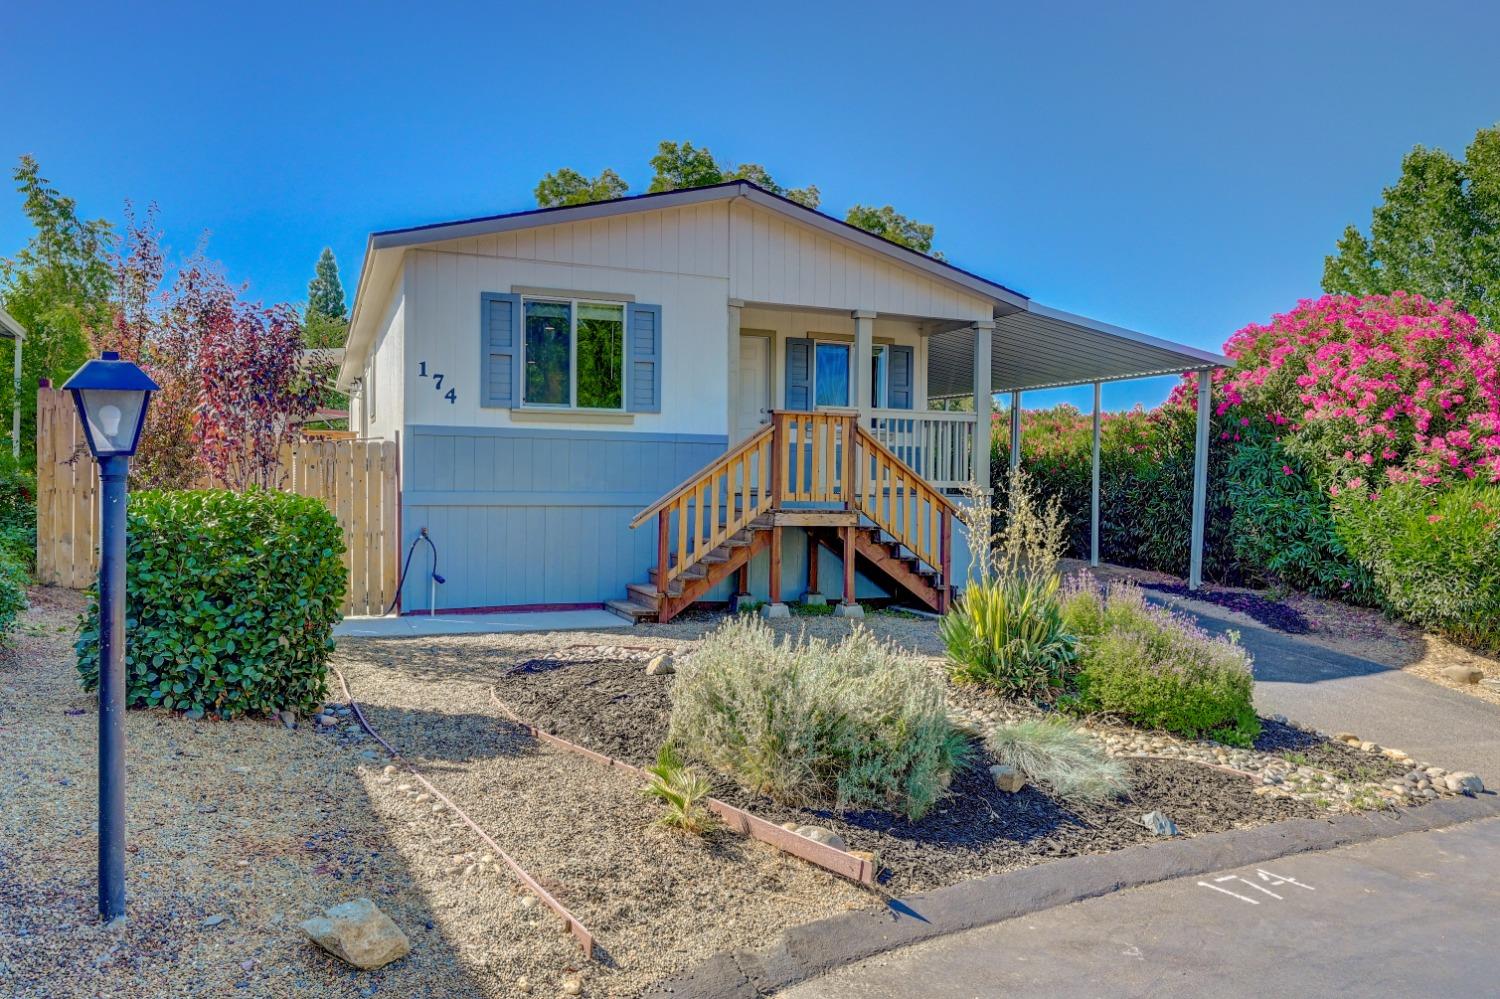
{"points": [[878, 378], [831, 375], [574, 354]]}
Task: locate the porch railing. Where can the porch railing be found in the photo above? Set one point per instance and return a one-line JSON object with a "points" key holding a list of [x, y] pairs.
{"points": [[938, 445]]}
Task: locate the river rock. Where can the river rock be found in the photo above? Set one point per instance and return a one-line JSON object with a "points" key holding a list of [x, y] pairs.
{"points": [[359, 933], [1007, 778], [1463, 674], [661, 665], [1159, 824], [825, 836], [1464, 782]]}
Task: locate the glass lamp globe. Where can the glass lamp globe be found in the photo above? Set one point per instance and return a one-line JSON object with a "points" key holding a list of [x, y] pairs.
{"points": [[111, 396]]}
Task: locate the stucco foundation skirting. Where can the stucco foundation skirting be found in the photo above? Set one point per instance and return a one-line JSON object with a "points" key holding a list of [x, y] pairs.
{"points": [[846, 865], [576, 929], [807, 951]]}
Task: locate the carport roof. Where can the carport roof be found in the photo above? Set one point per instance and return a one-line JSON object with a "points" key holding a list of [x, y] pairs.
{"points": [[1038, 347]]}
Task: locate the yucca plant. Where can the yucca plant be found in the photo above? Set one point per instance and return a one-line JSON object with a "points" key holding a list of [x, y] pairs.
{"points": [[1008, 634], [681, 791]]}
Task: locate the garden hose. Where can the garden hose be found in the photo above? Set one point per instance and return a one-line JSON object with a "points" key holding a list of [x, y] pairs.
{"points": [[401, 579]]}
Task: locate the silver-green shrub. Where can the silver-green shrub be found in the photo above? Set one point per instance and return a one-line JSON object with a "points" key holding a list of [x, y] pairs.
{"points": [[856, 723], [1065, 758]]}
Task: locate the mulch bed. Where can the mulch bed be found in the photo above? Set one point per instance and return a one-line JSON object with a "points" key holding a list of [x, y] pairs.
{"points": [[1342, 761], [1271, 613], [613, 707]]}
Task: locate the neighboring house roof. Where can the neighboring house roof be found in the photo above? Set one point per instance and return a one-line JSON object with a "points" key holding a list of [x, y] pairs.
{"points": [[9, 328], [1081, 349]]}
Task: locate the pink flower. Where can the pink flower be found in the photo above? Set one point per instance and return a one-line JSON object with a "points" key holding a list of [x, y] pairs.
{"points": [[1433, 518], [1286, 469]]}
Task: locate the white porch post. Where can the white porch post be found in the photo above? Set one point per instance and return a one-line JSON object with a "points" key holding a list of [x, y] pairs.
{"points": [[1094, 489], [15, 405], [984, 334], [864, 352], [734, 367], [1200, 481], [1015, 431]]}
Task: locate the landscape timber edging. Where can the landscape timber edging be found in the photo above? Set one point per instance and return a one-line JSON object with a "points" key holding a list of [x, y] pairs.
{"points": [[809, 950]]}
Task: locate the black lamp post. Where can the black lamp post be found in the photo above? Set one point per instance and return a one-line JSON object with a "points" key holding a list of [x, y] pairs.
{"points": [[111, 396]]}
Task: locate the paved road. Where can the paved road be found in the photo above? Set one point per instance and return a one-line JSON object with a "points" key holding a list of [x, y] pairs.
{"points": [[1342, 693], [1408, 916]]}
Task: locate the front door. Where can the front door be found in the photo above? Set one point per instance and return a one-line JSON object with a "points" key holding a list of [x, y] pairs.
{"points": [[753, 403]]}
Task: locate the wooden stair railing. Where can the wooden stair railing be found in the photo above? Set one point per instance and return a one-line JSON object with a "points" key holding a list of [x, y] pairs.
{"points": [[712, 506], [902, 504]]}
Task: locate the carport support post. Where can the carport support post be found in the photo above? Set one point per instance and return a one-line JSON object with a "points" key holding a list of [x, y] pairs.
{"points": [[984, 403], [1094, 489], [1016, 431], [1200, 480]]}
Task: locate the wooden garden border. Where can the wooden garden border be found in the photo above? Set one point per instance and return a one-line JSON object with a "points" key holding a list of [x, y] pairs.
{"points": [[575, 927], [831, 859]]}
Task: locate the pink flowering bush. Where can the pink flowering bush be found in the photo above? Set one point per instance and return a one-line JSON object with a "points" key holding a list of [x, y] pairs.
{"points": [[1369, 391]]}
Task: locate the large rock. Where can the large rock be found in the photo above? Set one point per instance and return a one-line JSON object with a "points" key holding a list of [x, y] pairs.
{"points": [[1007, 778], [1159, 824], [825, 836], [359, 933], [661, 665], [1464, 782], [1463, 674]]}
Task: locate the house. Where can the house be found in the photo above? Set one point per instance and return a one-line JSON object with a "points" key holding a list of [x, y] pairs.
{"points": [[653, 401]]}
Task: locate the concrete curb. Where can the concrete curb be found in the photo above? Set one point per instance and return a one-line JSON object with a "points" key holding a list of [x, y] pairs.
{"points": [[806, 951]]}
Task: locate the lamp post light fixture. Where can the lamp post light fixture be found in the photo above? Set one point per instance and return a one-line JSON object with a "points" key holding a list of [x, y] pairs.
{"points": [[111, 396]]}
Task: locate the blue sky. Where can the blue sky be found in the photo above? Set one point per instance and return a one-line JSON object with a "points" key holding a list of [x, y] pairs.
{"points": [[1178, 168]]}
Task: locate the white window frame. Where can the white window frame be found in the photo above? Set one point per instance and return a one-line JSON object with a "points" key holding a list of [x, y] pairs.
{"points": [[572, 303], [849, 351]]}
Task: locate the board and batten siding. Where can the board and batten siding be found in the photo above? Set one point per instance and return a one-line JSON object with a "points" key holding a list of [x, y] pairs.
{"points": [[527, 516]]}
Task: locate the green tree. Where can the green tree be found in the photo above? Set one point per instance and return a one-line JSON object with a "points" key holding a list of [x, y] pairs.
{"points": [[678, 167], [325, 294], [569, 187], [1436, 232], [887, 223], [57, 286]]}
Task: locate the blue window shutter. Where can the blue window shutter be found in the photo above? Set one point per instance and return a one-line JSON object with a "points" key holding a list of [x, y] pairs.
{"points": [[799, 374], [499, 350], [643, 359], [900, 385]]}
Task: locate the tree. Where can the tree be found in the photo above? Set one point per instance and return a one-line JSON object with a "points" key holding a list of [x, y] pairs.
{"points": [[58, 287], [325, 295], [569, 187], [887, 223], [1435, 233], [257, 389], [678, 167]]}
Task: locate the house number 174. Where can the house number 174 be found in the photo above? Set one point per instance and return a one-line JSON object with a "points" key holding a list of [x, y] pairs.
{"points": [[437, 382]]}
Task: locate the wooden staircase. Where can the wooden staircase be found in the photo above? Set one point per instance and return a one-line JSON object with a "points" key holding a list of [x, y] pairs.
{"points": [[818, 471]]}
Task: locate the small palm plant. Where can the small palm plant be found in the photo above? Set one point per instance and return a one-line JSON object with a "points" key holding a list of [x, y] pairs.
{"points": [[681, 791]]}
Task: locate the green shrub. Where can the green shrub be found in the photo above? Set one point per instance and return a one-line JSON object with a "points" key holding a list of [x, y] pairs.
{"points": [[1008, 635], [856, 724], [1065, 758], [1156, 669], [680, 790], [230, 602], [1434, 554], [13, 581], [17, 513]]}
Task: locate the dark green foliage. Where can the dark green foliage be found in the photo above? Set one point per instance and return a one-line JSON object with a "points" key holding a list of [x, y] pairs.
{"points": [[17, 513], [887, 223], [1282, 527], [569, 187], [1434, 555], [325, 293], [231, 600], [1156, 669]]}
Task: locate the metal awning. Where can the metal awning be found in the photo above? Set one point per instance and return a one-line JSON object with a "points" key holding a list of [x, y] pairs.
{"points": [[1039, 347]]}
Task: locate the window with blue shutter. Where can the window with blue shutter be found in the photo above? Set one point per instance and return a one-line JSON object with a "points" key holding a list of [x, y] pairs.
{"points": [[643, 365], [499, 350], [900, 378], [799, 374]]}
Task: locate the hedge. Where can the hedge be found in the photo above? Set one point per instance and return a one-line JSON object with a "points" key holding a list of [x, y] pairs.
{"points": [[231, 600]]}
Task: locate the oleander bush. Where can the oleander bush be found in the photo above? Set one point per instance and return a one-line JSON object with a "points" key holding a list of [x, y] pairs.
{"points": [[1064, 757], [1434, 555], [1156, 669], [231, 599], [853, 724]]}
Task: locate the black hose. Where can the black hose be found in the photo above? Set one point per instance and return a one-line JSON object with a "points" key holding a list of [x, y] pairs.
{"points": [[401, 580]]}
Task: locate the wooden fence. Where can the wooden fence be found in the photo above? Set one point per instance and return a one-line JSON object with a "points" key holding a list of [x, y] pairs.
{"points": [[358, 479]]}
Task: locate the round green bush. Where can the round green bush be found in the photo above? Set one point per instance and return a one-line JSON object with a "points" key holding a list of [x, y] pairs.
{"points": [[1434, 555], [230, 601]]}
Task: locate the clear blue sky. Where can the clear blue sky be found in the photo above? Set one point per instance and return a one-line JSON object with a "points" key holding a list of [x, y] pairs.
{"points": [[1177, 168]]}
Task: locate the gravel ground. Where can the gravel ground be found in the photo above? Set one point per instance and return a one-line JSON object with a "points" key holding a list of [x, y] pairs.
{"points": [[266, 826]]}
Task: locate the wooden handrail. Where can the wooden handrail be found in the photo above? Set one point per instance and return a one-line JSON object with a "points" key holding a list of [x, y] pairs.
{"points": [[866, 437], [697, 476]]}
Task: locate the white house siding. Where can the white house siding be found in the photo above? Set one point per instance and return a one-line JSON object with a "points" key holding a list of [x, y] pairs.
{"points": [[788, 323], [382, 381]]}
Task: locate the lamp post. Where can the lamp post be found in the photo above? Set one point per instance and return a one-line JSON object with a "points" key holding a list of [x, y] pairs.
{"points": [[111, 396]]}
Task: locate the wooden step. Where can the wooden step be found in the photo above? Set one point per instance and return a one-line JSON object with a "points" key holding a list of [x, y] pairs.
{"points": [[645, 594], [631, 611]]}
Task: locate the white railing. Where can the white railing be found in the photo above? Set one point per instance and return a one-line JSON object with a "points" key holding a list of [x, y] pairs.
{"points": [[939, 445]]}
